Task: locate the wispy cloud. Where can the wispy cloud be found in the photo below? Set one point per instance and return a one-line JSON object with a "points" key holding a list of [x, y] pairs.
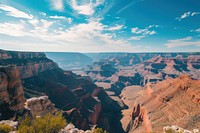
{"points": [[146, 31], [69, 20], [11, 29], [117, 27], [186, 15], [57, 5], [86, 8], [127, 6], [195, 13], [142, 33], [197, 30], [136, 38], [182, 42], [11, 11], [89, 36]]}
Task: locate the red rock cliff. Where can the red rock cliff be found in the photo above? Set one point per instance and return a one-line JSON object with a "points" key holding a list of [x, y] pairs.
{"points": [[11, 91]]}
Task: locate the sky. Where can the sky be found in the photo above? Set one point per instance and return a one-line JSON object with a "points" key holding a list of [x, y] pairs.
{"points": [[100, 25]]}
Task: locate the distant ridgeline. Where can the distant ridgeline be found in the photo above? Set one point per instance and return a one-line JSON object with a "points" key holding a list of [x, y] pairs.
{"points": [[70, 61]]}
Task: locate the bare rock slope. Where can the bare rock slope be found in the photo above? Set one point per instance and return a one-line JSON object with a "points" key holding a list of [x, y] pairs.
{"points": [[169, 102]]}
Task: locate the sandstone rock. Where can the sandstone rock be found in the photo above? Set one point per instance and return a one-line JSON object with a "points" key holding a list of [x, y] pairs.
{"points": [[40, 106], [172, 101], [29, 63], [70, 128], [13, 124], [11, 92], [177, 129]]}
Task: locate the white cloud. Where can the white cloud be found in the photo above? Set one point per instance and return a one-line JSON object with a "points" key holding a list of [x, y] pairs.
{"points": [[57, 5], [69, 20], [182, 42], [145, 31], [195, 13], [181, 39], [187, 14], [46, 24], [152, 32], [142, 33], [152, 26], [197, 30], [136, 37], [57, 17], [117, 27], [43, 13], [86, 8], [11, 29], [34, 22], [87, 37], [11, 11]]}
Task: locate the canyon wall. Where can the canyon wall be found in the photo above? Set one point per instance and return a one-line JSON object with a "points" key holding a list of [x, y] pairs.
{"points": [[11, 92]]}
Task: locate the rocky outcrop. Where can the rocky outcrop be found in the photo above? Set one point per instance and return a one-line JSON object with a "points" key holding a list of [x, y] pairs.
{"points": [[11, 92], [177, 129], [70, 128], [172, 101], [139, 116], [40, 106], [13, 124]]}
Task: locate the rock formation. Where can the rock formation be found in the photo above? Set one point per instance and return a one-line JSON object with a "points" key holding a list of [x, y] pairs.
{"points": [[159, 68], [172, 101], [13, 124], [177, 129], [40, 106], [29, 63], [11, 92]]}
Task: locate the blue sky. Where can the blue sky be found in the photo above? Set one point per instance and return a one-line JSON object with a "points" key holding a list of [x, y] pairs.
{"points": [[100, 25]]}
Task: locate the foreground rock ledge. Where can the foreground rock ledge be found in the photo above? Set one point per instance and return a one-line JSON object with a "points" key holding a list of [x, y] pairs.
{"points": [[177, 129]]}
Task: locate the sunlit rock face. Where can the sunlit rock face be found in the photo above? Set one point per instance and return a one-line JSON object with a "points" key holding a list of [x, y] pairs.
{"points": [[13, 124], [29, 63], [70, 128], [177, 129], [40, 106], [172, 101], [11, 92]]}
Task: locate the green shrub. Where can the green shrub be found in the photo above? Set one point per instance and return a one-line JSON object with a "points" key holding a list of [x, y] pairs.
{"points": [[99, 130], [46, 124], [4, 128]]}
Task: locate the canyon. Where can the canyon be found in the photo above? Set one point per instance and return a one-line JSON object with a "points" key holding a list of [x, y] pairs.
{"points": [[81, 100], [119, 92]]}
